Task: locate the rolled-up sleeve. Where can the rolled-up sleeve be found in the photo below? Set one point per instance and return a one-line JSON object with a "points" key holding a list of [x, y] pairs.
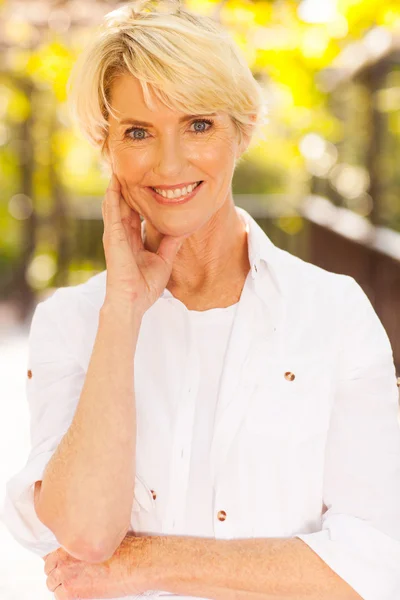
{"points": [[360, 536], [53, 388]]}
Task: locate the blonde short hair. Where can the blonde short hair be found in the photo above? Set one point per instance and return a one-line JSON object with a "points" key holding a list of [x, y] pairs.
{"points": [[188, 60]]}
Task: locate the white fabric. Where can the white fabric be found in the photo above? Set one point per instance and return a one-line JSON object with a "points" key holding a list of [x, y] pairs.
{"points": [[317, 456], [211, 333]]}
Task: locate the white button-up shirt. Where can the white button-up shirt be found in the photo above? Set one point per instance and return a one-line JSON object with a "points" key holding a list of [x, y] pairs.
{"points": [[304, 437]]}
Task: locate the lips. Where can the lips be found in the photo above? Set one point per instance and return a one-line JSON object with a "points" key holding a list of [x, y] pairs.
{"points": [[175, 201], [174, 188], [165, 188]]}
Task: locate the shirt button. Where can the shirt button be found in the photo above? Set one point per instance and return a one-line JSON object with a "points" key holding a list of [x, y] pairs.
{"points": [[30, 374], [289, 376], [153, 494], [221, 515], [398, 382]]}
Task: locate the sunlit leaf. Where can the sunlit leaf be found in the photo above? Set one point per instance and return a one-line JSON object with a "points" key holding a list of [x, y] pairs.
{"points": [[18, 108], [51, 64]]}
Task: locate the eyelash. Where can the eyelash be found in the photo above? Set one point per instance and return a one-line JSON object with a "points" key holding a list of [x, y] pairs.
{"points": [[208, 121]]}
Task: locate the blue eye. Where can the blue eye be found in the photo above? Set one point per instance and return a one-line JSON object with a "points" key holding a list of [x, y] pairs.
{"points": [[142, 131], [202, 122], [137, 130]]}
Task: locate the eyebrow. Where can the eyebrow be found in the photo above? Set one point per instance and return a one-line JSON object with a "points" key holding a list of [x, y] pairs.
{"points": [[132, 121]]}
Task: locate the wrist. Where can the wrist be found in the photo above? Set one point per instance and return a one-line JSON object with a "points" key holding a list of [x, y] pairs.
{"points": [[145, 568], [119, 311]]}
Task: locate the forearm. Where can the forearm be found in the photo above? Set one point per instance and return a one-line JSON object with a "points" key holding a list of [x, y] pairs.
{"points": [[244, 569], [87, 490]]}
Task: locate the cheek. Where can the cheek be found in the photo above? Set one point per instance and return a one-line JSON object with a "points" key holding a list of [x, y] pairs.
{"points": [[216, 157], [131, 164]]}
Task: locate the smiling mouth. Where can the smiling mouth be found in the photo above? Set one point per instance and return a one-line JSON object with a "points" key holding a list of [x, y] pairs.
{"points": [[177, 193]]}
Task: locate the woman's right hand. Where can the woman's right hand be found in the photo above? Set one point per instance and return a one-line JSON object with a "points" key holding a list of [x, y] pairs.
{"points": [[135, 276]]}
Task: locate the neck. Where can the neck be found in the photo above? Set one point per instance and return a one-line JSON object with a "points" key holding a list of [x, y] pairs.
{"points": [[213, 256]]}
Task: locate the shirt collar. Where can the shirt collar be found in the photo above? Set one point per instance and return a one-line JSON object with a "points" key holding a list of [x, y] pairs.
{"points": [[262, 252]]}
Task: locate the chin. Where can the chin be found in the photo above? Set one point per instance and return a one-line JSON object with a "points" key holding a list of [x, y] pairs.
{"points": [[177, 225]]}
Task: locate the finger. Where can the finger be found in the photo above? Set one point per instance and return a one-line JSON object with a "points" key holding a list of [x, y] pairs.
{"points": [[53, 580], [103, 211], [112, 210], [169, 247], [51, 562], [134, 232], [50, 571], [131, 219], [61, 594]]}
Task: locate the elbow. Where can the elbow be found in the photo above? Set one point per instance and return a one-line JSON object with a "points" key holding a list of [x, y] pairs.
{"points": [[87, 551], [76, 547], [92, 552], [81, 549]]}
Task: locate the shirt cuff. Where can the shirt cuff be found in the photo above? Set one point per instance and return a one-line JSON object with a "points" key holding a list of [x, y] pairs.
{"points": [[19, 513], [364, 557]]}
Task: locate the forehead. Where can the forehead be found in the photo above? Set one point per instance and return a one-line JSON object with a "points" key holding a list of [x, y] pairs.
{"points": [[127, 99]]}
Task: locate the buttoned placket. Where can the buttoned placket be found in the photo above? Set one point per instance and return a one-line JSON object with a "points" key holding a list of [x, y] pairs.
{"points": [[230, 408], [175, 512], [238, 381]]}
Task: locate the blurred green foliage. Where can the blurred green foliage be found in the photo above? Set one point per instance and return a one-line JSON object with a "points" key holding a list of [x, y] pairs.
{"points": [[47, 169]]}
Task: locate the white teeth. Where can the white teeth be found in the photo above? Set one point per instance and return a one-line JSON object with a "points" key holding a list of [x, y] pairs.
{"points": [[182, 192], [178, 192]]}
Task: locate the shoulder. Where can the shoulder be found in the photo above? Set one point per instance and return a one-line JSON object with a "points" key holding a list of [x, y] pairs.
{"points": [[335, 313], [87, 296], [335, 303], [71, 314], [303, 275]]}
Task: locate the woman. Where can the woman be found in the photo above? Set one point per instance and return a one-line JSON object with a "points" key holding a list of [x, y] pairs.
{"points": [[211, 416]]}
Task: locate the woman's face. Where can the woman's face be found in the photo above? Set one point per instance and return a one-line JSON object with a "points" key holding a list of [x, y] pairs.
{"points": [[170, 149]]}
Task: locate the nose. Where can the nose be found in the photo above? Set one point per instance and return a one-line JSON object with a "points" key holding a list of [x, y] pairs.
{"points": [[170, 158]]}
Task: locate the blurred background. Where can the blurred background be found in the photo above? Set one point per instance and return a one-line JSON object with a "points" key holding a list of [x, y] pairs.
{"points": [[324, 184]]}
